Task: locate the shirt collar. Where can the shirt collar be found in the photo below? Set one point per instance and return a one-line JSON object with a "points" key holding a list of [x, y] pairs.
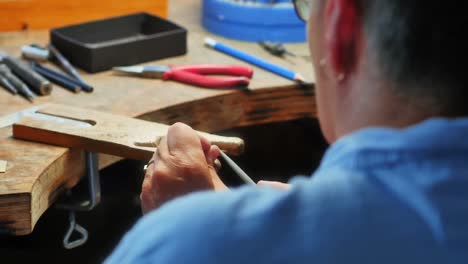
{"points": [[430, 135]]}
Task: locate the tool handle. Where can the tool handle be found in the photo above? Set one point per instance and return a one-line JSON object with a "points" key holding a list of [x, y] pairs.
{"points": [[7, 85], [19, 85], [234, 70], [241, 55], [206, 81], [237, 169], [64, 63], [36, 81], [31, 52], [83, 86], [57, 79]]}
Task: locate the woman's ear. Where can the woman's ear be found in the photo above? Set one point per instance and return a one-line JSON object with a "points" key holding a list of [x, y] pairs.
{"points": [[343, 36]]}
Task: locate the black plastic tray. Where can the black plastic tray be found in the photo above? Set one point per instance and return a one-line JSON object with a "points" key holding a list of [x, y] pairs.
{"points": [[127, 40]]}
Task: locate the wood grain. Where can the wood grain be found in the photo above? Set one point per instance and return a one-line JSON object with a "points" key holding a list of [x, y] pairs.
{"points": [[3, 166], [37, 173], [107, 133], [45, 14]]}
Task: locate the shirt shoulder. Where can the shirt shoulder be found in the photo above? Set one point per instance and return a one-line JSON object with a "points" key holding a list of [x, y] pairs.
{"points": [[201, 225], [248, 225]]}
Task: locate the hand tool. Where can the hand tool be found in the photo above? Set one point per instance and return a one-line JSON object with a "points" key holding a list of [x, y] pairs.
{"points": [[35, 53], [55, 78], [67, 78], [19, 85], [7, 85], [67, 67], [237, 169], [195, 74], [38, 83], [101, 132], [276, 49], [254, 60]]}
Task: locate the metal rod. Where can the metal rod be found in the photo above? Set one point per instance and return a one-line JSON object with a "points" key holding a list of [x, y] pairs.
{"points": [[19, 85], [64, 63], [57, 79], [94, 186], [8, 85], [81, 84], [237, 169], [38, 83]]}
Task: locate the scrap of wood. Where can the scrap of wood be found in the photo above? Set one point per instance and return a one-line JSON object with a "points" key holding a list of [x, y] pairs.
{"points": [[3, 166]]}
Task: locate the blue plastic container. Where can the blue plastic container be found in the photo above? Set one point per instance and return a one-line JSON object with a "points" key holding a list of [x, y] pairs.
{"points": [[254, 20]]}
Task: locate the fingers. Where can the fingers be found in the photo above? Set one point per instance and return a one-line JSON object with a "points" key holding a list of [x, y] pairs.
{"points": [[147, 198], [212, 154], [273, 184], [183, 162], [183, 140], [206, 144], [177, 167], [147, 193], [217, 165]]}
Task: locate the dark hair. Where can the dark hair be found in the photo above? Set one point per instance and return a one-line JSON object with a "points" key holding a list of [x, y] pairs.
{"points": [[422, 45]]}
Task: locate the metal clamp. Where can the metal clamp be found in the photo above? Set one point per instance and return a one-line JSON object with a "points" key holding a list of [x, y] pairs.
{"points": [[74, 227], [94, 186]]}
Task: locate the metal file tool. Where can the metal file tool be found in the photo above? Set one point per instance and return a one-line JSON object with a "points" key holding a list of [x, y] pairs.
{"points": [[18, 84]]}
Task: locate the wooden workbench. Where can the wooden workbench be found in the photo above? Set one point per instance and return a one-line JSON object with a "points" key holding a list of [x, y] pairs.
{"points": [[37, 173]]}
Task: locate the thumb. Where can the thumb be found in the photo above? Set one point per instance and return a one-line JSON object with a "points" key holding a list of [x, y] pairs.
{"points": [[183, 140]]}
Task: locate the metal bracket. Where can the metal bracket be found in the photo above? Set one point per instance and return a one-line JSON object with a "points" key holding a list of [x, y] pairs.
{"points": [[74, 227], [94, 186]]}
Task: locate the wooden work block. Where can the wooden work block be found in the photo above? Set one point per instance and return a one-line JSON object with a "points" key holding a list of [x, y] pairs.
{"points": [[3, 166], [101, 132], [45, 14]]}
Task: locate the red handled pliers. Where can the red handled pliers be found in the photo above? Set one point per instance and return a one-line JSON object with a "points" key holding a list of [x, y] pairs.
{"points": [[195, 74]]}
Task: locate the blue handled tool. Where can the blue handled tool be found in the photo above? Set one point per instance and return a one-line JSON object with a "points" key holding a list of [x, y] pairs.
{"points": [[288, 74]]}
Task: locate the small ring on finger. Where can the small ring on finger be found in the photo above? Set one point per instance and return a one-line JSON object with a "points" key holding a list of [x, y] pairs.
{"points": [[148, 164]]}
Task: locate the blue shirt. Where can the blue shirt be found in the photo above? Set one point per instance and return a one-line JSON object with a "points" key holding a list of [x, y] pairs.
{"points": [[379, 196]]}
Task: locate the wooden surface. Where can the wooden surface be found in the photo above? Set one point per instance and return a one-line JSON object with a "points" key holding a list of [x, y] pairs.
{"points": [[3, 165], [104, 133], [45, 14], [36, 173]]}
